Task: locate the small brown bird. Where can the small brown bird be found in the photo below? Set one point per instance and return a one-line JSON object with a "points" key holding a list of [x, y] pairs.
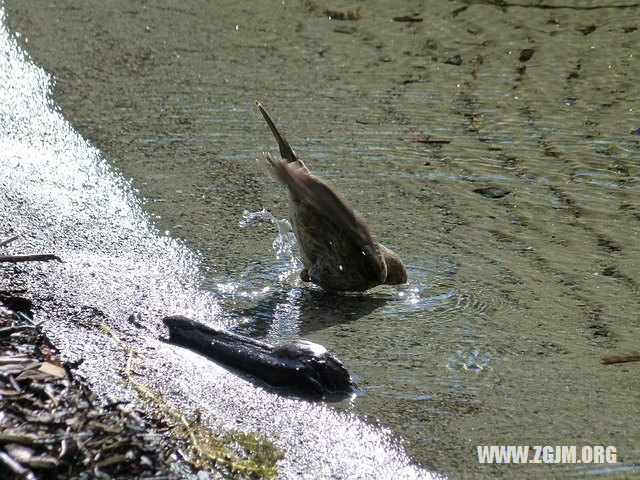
{"points": [[336, 246]]}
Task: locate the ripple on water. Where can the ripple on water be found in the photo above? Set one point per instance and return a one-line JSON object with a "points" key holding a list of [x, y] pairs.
{"points": [[441, 293], [415, 321], [473, 360], [269, 297], [429, 288]]}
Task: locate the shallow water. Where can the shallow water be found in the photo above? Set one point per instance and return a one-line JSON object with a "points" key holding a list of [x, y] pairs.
{"points": [[60, 195], [512, 301]]}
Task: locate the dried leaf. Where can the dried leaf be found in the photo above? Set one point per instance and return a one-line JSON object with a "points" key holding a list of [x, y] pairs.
{"points": [[53, 370]]}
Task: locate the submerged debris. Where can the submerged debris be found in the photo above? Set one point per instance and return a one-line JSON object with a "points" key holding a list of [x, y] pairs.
{"points": [[620, 359], [353, 14], [455, 60], [408, 18], [526, 54], [588, 29]]}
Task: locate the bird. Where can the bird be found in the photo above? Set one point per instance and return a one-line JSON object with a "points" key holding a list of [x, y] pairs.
{"points": [[336, 246]]}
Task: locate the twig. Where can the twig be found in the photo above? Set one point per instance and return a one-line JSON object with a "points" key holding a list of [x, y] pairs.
{"points": [[620, 359], [42, 257], [11, 462], [6, 331], [9, 240], [18, 437]]}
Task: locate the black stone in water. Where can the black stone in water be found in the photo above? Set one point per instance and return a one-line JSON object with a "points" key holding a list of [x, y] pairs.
{"points": [[300, 365], [455, 60], [526, 54], [492, 192]]}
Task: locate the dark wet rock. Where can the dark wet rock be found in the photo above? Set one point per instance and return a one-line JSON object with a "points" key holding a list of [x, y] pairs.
{"points": [[17, 304], [300, 365], [492, 192], [455, 60], [526, 54], [635, 132]]}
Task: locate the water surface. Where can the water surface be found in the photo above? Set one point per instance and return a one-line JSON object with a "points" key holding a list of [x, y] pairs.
{"points": [[512, 301]]}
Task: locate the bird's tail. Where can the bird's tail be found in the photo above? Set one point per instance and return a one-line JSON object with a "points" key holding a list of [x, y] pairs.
{"points": [[285, 149]]}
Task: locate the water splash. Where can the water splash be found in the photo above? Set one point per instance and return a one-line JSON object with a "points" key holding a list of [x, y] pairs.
{"points": [[284, 244]]}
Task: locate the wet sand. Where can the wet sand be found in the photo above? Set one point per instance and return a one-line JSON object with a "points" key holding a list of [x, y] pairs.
{"points": [[539, 103]]}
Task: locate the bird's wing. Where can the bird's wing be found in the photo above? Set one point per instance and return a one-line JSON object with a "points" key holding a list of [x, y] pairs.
{"points": [[309, 189], [313, 191]]}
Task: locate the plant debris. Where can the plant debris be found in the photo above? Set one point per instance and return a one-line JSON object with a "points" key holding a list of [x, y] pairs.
{"points": [[53, 427], [41, 257]]}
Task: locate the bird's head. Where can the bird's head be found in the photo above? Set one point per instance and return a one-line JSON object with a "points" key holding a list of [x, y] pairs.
{"points": [[396, 271]]}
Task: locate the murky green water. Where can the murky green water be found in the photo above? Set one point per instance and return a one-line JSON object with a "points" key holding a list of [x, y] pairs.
{"points": [[512, 301]]}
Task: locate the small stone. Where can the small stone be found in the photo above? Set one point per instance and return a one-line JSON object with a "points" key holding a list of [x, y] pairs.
{"points": [[492, 192], [455, 60], [526, 54]]}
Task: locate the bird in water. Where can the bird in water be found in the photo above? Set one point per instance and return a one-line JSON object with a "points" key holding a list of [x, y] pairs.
{"points": [[336, 245]]}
